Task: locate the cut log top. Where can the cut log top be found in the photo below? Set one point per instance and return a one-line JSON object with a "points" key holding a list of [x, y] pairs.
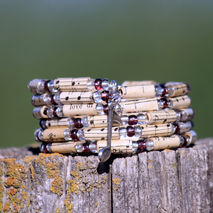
{"points": [[168, 181]]}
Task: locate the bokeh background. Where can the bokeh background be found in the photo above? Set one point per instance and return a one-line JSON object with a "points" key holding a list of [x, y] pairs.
{"points": [[123, 40]]}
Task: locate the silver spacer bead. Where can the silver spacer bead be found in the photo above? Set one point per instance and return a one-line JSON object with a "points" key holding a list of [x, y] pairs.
{"points": [[149, 145]]}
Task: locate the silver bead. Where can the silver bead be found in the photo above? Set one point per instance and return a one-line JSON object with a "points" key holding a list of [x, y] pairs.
{"points": [[79, 148], [100, 109], [67, 136], [138, 132], [124, 119], [84, 121], [93, 148], [105, 84], [71, 123], [113, 85], [59, 111], [56, 98], [97, 97], [36, 134], [149, 145], [36, 86], [51, 87], [158, 90], [80, 135], [141, 119], [123, 132]]}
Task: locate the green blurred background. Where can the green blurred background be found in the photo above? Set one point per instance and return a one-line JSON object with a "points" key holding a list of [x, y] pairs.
{"points": [[123, 40]]}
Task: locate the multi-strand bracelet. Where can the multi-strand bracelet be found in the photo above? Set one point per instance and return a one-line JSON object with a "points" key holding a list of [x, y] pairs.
{"points": [[84, 115]]}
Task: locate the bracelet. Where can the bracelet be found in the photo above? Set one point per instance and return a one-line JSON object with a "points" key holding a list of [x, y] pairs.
{"points": [[98, 116]]}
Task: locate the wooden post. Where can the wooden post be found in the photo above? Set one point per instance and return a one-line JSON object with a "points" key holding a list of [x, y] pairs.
{"points": [[166, 182]]}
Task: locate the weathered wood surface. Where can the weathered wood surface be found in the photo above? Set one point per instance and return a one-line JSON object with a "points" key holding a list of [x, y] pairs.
{"points": [[169, 181]]}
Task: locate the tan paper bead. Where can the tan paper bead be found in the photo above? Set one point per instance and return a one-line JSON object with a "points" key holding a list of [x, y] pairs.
{"points": [[54, 134], [181, 102], [64, 148], [76, 97], [161, 116], [131, 92], [140, 105], [99, 121], [72, 84], [40, 112], [177, 89], [160, 143], [100, 133], [117, 146], [138, 83], [157, 130], [57, 122], [79, 109]]}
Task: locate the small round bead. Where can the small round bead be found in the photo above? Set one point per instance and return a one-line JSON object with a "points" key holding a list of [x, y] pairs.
{"points": [[106, 109], [138, 131], [149, 145], [77, 123], [105, 84], [43, 124], [73, 135], [130, 131], [97, 84], [105, 96], [132, 120], [141, 146]]}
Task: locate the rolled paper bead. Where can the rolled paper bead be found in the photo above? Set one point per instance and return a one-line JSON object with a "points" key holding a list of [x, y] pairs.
{"points": [[99, 121], [190, 137], [138, 83], [134, 92], [41, 100], [40, 112], [186, 114], [143, 131], [77, 109], [157, 130], [52, 134], [161, 116], [100, 133], [73, 84], [117, 146], [139, 105], [160, 143], [174, 89], [74, 97], [63, 122], [182, 127], [63, 148], [181, 102]]}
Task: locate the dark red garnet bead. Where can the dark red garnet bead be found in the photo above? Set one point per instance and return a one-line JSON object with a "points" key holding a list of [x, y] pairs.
{"points": [[130, 131], [73, 135], [46, 88], [77, 123], [86, 149], [52, 100], [141, 146], [54, 112], [106, 109], [132, 120], [97, 84], [105, 96]]}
